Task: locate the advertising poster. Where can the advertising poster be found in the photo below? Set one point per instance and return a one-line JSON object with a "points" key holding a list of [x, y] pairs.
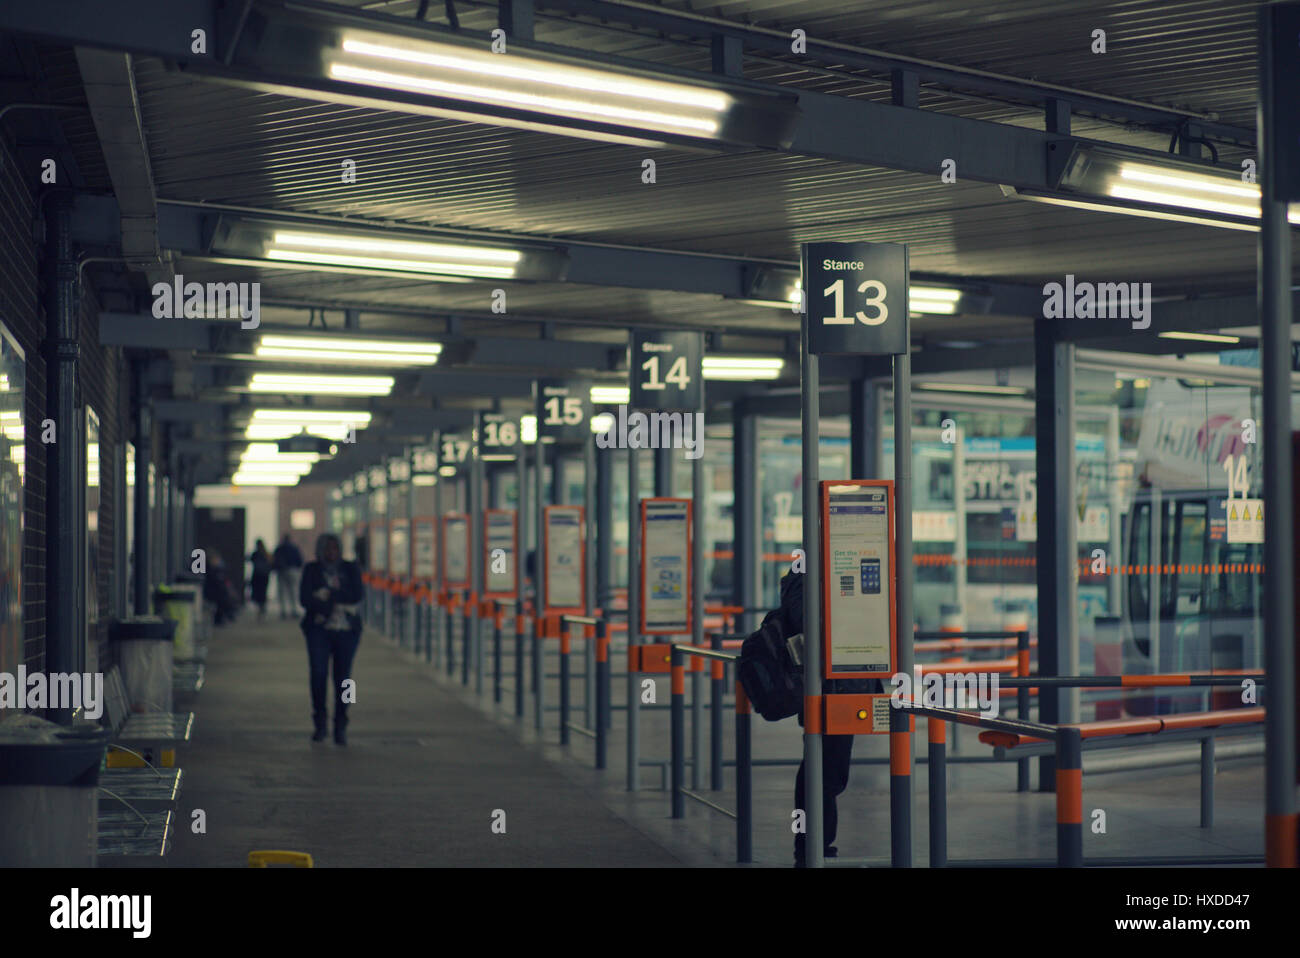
{"points": [[858, 577], [666, 566], [399, 548], [499, 566], [565, 550], [456, 536], [423, 551]]}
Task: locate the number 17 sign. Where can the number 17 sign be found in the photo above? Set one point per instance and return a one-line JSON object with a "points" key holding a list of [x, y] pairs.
{"points": [[857, 298]]}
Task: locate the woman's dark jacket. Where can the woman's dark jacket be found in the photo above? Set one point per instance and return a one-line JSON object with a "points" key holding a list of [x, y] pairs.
{"points": [[350, 592]]}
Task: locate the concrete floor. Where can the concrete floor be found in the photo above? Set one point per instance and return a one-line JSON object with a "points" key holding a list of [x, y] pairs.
{"points": [[429, 761], [417, 785]]}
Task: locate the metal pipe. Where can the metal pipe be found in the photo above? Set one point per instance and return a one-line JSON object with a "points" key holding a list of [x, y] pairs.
{"points": [[678, 732], [1207, 781], [602, 692], [539, 574], [903, 557], [900, 787], [698, 511], [140, 513], [1069, 797], [564, 683], [744, 780], [937, 774], [633, 621], [1022, 703], [65, 568], [1275, 359], [715, 716], [810, 384], [589, 506]]}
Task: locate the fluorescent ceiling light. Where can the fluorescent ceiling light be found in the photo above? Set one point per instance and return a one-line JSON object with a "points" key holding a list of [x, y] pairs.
{"points": [[528, 429], [260, 479], [611, 395], [270, 452], [602, 421], [523, 82], [331, 249], [337, 349], [446, 470], [1110, 180], [263, 431], [293, 383], [744, 368], [424, 479], [972, 388], [496, 457], [275, 468], [303, 416], [1202, 337]]}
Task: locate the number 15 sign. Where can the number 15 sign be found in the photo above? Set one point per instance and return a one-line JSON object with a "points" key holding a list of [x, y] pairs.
{"points": [[857, 298]]}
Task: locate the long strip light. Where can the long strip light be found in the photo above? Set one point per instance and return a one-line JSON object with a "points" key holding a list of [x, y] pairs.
{"points": [[1103, 179], [611, 395], [332, 249], [313, 385], [521, 82], [1202, 337], [271, 424], [337, 349], [743, 368], [264, 479]]}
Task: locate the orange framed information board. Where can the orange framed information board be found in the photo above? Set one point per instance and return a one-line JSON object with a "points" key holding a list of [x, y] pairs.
{"points": [[455, 550], [564, 559], [399, 548], [666, 573], [500, 532], [859, 621], [424, 550], [378, 543]]}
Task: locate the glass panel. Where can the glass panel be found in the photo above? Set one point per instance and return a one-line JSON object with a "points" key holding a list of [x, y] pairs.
{"points": [[13, 454]]}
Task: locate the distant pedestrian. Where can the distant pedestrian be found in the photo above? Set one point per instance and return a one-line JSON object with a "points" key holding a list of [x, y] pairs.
{"points": [[286, 561], [331, 592], [261, 560]]}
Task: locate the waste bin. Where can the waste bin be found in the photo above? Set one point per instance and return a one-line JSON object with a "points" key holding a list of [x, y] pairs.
{"points": [[202, 620], [145, 655], [180, 603], [49, 775]]}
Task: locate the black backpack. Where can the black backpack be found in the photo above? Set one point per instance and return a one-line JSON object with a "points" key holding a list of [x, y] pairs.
{"points": [[767, 671]]}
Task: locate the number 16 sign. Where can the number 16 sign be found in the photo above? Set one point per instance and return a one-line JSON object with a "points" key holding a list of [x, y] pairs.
{"points": [[857, 298]]}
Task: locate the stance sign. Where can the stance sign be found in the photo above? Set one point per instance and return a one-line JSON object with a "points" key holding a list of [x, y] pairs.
{"points": [[857, 298]]}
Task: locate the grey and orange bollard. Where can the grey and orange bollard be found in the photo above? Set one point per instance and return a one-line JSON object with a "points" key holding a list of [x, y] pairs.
{"points": [[602, 691], [1022, 703], [900, 785], [466, 633], [1069, 797], [519, 663], [564, 682], [718, 680], [937, 771], [744, 780], [496, 655], [678, 732]]}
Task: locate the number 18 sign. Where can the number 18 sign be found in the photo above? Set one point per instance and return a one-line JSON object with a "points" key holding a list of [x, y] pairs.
{"points": [[857, 298]]}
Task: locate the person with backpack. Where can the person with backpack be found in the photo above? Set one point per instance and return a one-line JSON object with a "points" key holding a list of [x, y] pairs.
{"points": [[774, 683], [261, 560], [330, 592], [286, 561]]}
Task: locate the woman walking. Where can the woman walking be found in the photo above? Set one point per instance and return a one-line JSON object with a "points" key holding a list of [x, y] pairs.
{"points": [[330, 592], [261, 560]]}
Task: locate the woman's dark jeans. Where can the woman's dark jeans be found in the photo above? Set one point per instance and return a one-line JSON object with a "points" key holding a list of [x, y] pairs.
{"points": [[322, 645]]}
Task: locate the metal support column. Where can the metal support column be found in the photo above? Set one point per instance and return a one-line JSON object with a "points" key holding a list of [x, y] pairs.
{"points": [[1057, 528], [477, 543], [633, 622], [812, 688], [589, 576], [1279, 26], [746, 537], [140, 513], [539, 648], [905, 793], [864, 438], [700, 496], [64, 566]]}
